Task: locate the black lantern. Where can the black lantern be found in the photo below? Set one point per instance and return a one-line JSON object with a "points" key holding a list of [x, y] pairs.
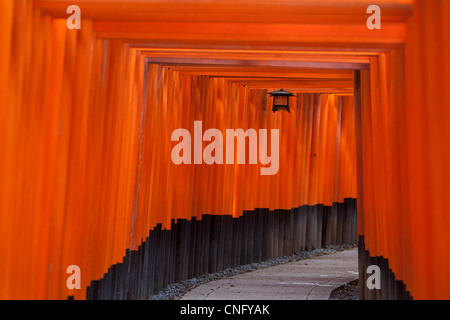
{"points": [[281, 100]]}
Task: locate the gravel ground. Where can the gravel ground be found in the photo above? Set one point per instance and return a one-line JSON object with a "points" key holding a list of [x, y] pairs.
{"points": [[177, 290], [349, 291]]}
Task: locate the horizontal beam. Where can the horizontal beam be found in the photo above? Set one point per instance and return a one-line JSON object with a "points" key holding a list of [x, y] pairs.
{"points": [[353, 57], [304, 85], [391, 33], [243, 73], [260, 63], [242, 11]]}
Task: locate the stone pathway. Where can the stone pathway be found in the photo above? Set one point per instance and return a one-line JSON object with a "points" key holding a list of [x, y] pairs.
{"points": [[309, 279]]}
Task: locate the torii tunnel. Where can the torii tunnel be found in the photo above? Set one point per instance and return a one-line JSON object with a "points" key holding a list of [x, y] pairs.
{"points": [[88, 120]]}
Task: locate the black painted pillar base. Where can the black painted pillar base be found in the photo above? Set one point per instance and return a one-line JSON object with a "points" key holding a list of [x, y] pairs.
{"points": [[391, 288], [216, 242]]}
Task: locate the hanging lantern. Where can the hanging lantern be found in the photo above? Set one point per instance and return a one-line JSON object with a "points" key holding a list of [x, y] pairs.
{"points": [[281, 100]]}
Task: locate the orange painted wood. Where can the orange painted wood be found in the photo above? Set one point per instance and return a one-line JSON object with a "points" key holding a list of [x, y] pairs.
{"points": [[85, 127]]}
